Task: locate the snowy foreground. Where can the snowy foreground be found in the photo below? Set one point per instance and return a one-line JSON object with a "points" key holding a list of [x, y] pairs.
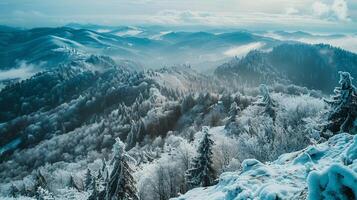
{"points": [[324, 171]]}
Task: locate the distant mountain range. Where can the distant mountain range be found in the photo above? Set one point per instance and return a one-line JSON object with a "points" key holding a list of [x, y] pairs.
{"points": [[155, 48], [273, 55]]}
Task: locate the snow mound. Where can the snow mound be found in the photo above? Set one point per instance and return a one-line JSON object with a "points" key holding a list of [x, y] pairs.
{"points": [[324, 171], [336, 182]]}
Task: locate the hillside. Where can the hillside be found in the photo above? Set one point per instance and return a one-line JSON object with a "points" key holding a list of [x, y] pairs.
{"points": [[312, 66]]}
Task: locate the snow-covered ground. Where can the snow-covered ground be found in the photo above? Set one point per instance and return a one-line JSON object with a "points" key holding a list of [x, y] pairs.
{"points": [[323, 171]]}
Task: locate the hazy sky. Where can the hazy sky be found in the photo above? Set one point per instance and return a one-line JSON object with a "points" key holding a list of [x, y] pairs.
{"points": [[312, 15]]}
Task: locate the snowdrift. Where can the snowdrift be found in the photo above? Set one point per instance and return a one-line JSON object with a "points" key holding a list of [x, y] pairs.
{"points": [[323, 171]]}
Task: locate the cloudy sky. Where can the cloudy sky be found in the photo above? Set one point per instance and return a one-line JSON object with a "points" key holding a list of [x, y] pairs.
{"points": [[310, 15]]}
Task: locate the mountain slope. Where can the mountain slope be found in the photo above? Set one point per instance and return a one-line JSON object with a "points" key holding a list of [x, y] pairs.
{"points": [[312, 66], [51, 46]]}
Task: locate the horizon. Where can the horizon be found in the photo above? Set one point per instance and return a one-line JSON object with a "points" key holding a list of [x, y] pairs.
{"points": [[323, 16]]}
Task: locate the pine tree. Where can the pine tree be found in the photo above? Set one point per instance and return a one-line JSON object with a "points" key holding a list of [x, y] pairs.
{"points": [[343, 105], [88, 180], [267, 102], [202, 172], [121, 184]]}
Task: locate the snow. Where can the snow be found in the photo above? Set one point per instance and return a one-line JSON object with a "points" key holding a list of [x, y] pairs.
{"points": [[351, 153], [316, 172], [336, 182]]}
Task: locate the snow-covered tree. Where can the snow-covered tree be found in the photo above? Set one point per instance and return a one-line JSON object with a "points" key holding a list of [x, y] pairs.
{"points": [[267, 102], [343, 104], [88, 180], [95, 193], [13, 191], [40, 181], [72, 183], [202, 172], [43, 194], [121, 184], [233, 111]]}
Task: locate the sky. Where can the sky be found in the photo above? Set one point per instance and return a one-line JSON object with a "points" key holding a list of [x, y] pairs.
{"points": [[309, 15]]}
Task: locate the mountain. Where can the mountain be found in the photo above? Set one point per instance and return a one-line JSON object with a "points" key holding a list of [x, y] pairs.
{"points": [[47, 47], [323, 171], [312, 66], [58, 101]]}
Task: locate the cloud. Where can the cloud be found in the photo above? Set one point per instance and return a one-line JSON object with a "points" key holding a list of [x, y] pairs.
{"points": [[242, 50], [243, 20], [272, 14], [348, 42], [24, 71], [320, 9], [339, 7], [291, 11], [337, 10]]}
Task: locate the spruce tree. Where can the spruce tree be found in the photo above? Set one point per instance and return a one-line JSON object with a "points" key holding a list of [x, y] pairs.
{"points": [[267, 102], [121, 184], [343, 105], [202, 172]]}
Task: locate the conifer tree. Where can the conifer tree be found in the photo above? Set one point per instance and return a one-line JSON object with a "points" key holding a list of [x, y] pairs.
{"points": [[202, 172], [343, 105], [233, 111], [72, 183], [121, 184], [88, 180], [267, 102], [96, 195]]}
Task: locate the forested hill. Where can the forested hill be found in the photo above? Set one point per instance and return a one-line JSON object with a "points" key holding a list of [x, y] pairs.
{"points": [[312, 66]]}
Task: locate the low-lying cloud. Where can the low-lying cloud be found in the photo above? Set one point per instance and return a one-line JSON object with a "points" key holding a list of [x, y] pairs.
{"points": [[23, 72], [242, 50]]}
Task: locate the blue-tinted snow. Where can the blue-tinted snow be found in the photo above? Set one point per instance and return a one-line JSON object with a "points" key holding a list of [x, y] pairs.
{"points": [[323, 171]]}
